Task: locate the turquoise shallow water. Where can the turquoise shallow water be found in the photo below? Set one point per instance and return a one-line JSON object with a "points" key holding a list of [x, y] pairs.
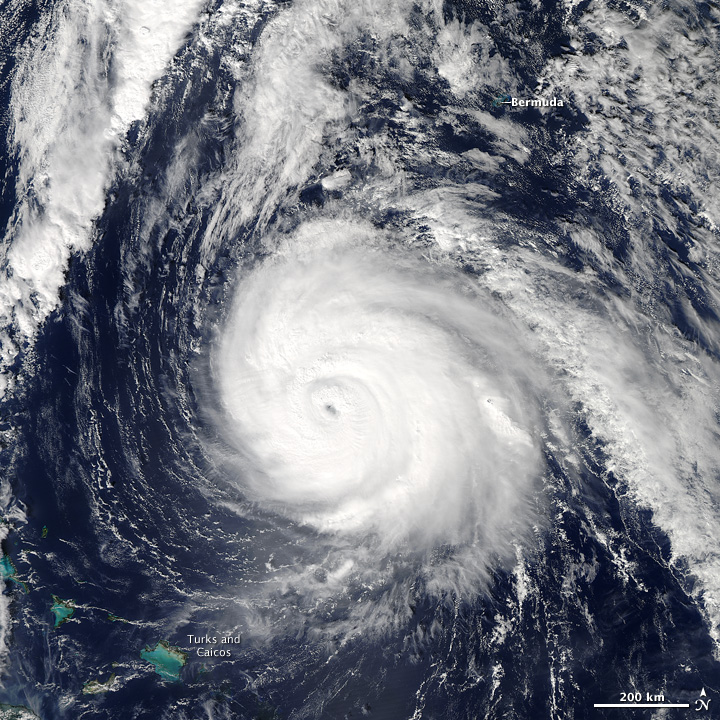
{"points": [[168, 661], [62, 610], [6, 568], [570, 251]]}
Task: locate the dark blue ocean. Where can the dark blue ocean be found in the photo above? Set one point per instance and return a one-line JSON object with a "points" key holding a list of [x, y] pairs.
{"points": [[139, 488]]}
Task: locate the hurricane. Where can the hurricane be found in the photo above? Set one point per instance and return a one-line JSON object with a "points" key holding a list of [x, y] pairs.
{"points": [[359, 359], [375, 397]]}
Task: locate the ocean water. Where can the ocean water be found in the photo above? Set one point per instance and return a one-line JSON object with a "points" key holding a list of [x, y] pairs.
{"points": [[341, 384]]}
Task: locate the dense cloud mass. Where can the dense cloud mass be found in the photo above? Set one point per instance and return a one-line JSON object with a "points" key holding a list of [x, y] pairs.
{"points": [[380, 336], [371, 392]]}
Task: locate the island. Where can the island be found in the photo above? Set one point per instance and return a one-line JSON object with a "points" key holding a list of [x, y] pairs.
{"points": [[9, 572], [168, 660], [16, 712], [116, 618], [94, 687], [63, 610]]}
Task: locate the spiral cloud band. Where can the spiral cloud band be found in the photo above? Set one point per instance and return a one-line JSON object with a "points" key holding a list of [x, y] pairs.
{"points": [[374, 396]]}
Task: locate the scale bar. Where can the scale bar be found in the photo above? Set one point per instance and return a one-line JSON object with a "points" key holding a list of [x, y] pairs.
{"points": [[642, 705]]}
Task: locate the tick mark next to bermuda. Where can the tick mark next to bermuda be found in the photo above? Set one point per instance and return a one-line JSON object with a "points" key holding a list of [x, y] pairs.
{"points": [[527, 102]]}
